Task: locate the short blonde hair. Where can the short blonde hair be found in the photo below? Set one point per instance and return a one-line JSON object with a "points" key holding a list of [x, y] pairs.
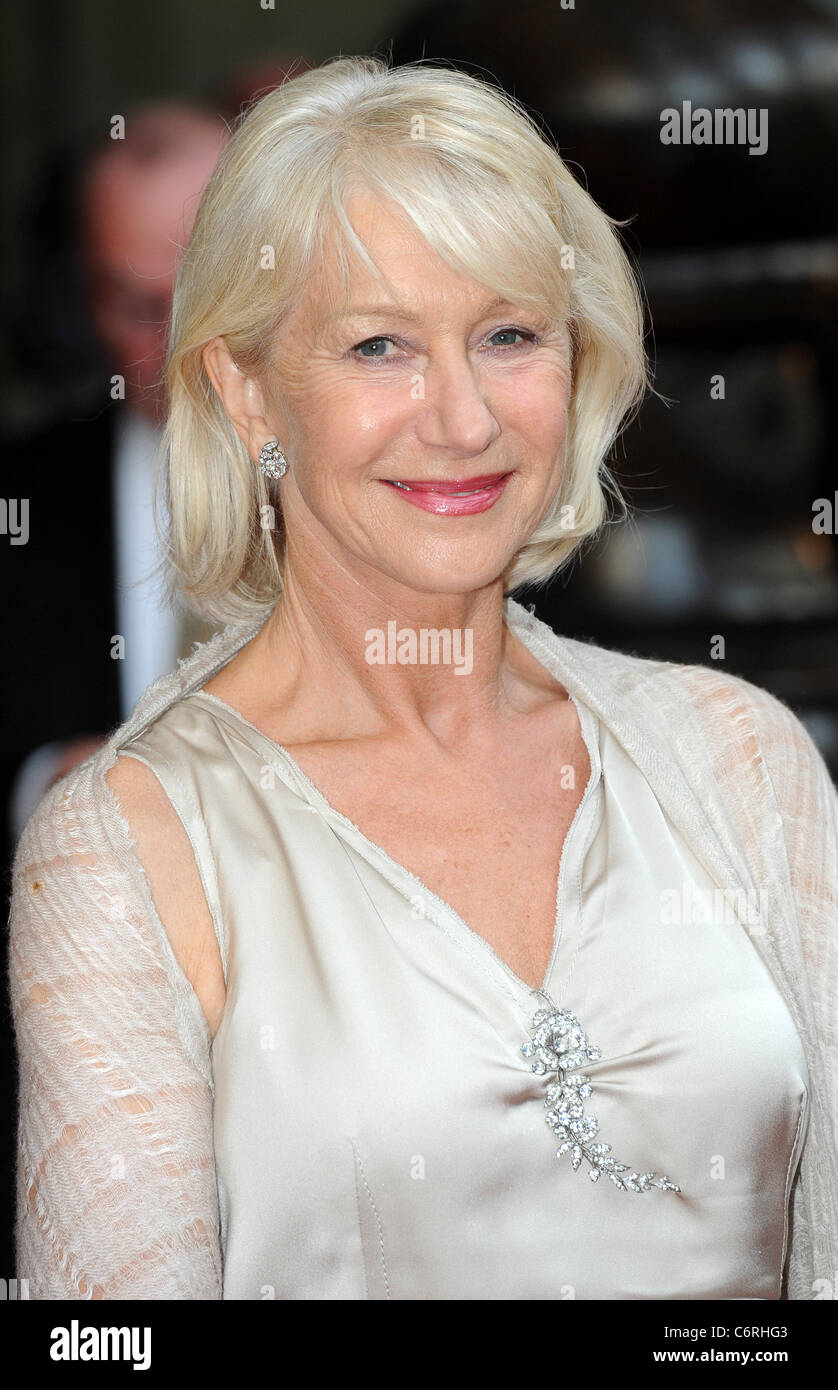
{"points": [[487, 191]]}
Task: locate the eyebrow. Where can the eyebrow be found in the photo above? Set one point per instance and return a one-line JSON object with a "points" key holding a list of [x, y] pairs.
{"points": [[364, 311]]}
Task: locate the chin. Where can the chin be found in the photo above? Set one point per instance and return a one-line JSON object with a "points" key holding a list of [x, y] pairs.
{"points": [[449, 574]]}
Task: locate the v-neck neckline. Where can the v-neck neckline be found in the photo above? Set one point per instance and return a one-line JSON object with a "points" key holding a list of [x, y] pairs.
{"points": [[408, 883], [398, 874]]}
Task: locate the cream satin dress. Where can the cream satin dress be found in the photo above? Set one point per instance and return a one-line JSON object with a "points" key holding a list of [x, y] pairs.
{"points": [[379, 1131]]}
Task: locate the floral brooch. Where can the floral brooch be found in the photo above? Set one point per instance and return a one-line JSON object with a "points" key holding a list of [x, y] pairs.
{"points": [[558, 1044]]}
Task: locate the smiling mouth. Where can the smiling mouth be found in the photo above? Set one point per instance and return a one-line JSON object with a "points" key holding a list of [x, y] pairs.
{"points": [[468, 487], [451, 497]]}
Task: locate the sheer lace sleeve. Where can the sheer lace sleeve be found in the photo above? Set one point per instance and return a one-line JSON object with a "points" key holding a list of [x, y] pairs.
{"points": [[116, 1185], [784, 806], [786, 814], [808, 803]]}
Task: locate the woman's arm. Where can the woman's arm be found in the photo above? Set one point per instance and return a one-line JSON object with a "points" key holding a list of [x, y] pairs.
{"points": [[786, 808], [779, 799], [116, 1183], [808, 803]]}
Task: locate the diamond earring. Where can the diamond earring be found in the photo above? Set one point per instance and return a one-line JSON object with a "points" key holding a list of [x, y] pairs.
{"points": [[272, 461]]}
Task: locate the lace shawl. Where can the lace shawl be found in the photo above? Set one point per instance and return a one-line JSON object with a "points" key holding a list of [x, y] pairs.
{"points": [[116, 1187]]}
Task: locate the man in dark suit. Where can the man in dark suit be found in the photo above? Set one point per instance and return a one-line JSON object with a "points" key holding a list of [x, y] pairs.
{"points": [[70, 576]]}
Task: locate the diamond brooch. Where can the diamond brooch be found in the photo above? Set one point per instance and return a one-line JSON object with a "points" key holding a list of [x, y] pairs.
{"points": [[559, 1044]]}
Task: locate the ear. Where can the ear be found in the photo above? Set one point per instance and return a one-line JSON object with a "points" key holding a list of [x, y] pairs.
{"points": [[240, 395]]}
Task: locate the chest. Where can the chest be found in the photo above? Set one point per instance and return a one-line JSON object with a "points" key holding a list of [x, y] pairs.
{"points": [[486, 838]]}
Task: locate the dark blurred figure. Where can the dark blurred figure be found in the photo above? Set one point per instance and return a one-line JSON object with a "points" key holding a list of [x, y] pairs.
{"points": [[71, 581], [137, 203]]}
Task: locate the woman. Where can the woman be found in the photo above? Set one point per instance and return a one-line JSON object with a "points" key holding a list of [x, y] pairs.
{"points": [[387, 873]]}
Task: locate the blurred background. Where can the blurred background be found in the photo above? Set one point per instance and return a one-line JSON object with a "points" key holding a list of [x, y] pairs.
{"points": [[730, 553]]}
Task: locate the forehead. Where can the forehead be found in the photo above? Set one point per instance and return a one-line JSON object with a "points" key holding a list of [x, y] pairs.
{"points": [[412, 277]]}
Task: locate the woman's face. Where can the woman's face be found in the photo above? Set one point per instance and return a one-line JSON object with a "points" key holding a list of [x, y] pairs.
{"points": [[389, 412]]}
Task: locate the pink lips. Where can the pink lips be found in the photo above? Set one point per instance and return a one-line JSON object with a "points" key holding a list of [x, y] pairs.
{"points": [[461, 497]]}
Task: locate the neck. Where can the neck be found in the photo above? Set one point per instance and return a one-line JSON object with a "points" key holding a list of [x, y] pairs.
{"points": [[352, 653]]}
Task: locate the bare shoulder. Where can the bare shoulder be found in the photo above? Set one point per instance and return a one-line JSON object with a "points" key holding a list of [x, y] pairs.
{"points": [[166, 855]]}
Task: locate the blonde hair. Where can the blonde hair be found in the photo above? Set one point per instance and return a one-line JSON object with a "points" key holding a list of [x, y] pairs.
{"points": [[487, 191]]}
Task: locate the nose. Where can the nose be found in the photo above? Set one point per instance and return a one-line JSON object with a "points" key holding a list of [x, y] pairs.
{"points": [[455, 414]]}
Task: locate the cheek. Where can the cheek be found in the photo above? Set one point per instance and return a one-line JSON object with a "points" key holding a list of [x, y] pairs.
{"points": [[352, 421], [534, 404]]}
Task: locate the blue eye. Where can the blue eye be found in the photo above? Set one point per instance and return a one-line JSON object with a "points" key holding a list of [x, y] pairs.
{"points": [[520, 332], [370, 342]]}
